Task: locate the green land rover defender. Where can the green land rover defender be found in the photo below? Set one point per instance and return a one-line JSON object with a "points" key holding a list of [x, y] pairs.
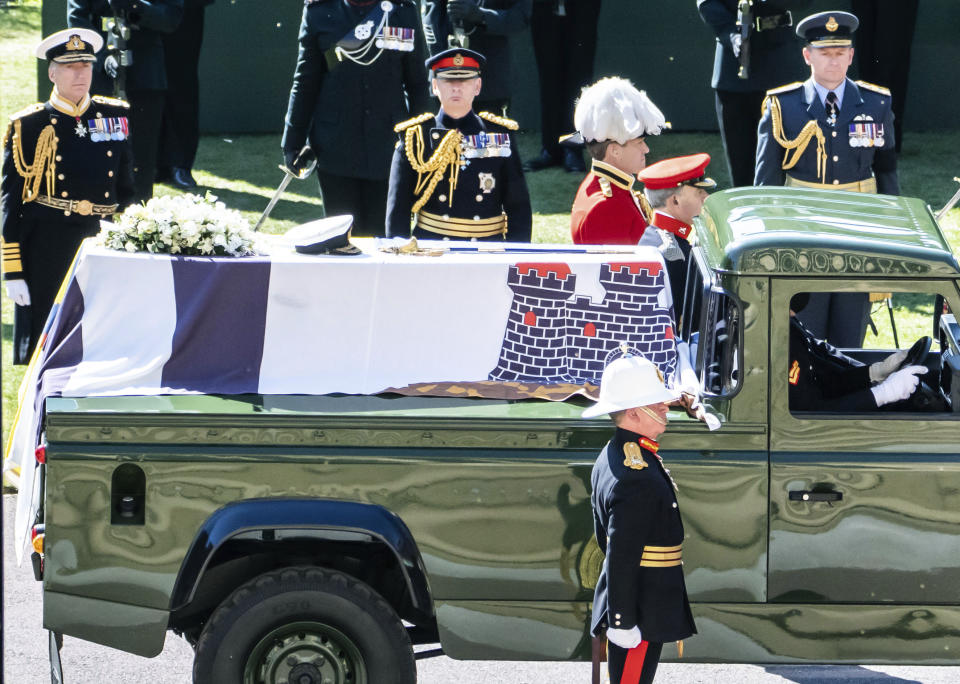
{"points": [[317, 538]]}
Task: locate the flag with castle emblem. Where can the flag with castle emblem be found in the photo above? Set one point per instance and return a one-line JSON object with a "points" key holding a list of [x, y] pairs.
{"points": [[522, 321]]}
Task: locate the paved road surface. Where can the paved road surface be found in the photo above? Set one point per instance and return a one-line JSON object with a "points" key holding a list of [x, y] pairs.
{"points": [[25, 655]]}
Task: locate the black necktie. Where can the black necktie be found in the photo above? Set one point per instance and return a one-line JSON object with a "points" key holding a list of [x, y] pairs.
{"points": [[832, 108]]}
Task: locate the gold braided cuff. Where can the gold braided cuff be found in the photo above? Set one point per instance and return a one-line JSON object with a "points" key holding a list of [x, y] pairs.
{"points": [[11, 257], [661, 556]]}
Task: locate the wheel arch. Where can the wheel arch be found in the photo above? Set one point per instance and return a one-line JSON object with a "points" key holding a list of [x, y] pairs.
{"points": [[287, 523]]}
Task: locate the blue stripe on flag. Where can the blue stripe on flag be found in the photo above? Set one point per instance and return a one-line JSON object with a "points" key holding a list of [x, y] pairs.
{"points": [[63, 344], [221, 315]]}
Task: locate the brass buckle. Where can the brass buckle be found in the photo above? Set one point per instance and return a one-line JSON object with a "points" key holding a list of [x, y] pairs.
{"points": [[84, 207]]}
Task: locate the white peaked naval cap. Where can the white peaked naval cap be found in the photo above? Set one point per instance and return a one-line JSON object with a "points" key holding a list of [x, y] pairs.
{"points": [[613, 109], [629, 382]]}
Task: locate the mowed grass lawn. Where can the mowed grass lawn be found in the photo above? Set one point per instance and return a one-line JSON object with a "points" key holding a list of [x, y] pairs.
{"points": [[242, 171]]}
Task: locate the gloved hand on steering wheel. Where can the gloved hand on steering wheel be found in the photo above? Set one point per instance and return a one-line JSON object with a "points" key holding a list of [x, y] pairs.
{"points": [[898, 385]]}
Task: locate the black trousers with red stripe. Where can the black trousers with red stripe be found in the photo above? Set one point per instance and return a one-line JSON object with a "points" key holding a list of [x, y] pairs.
{"points": [[617, 662]]}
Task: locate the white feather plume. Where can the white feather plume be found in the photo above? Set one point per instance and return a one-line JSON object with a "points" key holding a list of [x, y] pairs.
{"points": [[613, 109]]}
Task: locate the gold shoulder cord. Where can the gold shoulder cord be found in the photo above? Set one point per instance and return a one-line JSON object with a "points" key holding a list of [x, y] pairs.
{"points": [[44, 162], [798, 144], [430, 172]]}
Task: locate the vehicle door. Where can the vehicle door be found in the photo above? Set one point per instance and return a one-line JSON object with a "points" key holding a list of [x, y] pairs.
{"points": [[865, 507]]}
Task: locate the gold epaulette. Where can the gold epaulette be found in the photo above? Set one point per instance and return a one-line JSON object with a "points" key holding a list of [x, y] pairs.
{"points": [[32, 109], [785, 88], [115, 101], [874, 87], [404, 125], [500, 120]]}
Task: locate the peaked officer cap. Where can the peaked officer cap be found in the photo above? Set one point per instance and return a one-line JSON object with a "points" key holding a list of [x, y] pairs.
{"points": [[70, 45], [456, 63], [828, 29], [677, 171]]}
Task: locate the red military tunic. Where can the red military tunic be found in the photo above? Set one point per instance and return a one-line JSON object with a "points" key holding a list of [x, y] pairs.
{"points": [[607, 210]]}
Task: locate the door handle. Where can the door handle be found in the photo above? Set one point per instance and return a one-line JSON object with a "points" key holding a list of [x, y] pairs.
{"points": [[816, 496]]}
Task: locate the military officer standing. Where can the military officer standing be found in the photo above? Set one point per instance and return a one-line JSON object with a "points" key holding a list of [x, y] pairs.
{"points": [[829, 132], [769, 58], [458, 173], [613, 118], [180, 129], [485, 26], [641, 597], [676, 190], [358, 66], [144, 80], [66, 164]]}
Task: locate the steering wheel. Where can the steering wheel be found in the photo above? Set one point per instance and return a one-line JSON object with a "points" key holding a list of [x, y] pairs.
{"points": [[917, 354]]}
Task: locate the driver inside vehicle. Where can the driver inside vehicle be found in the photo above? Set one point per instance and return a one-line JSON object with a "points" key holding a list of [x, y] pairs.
{"points": [[822, 378]]}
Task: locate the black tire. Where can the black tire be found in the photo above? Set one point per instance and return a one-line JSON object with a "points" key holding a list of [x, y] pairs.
{"points": [[307, 625]]}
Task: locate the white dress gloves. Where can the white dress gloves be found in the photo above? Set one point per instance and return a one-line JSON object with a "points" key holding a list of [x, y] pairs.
{"points": [[625, 638], [881, 369], [898, 385], [18, 291]]}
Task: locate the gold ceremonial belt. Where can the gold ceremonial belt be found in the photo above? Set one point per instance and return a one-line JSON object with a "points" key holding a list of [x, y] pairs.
{"points": [[82, 207], [865, 185], [465, 228], [661, 556]]}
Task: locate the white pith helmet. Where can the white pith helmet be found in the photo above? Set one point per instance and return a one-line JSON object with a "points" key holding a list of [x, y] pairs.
{"points": [[630, 382]]}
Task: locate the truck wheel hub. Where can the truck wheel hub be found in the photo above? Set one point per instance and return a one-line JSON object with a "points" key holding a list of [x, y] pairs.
{"points": [[305, 653]]}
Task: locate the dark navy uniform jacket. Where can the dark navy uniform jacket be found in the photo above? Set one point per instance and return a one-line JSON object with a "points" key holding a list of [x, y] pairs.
{"points": [[149, 21], [821, 378], [863, 105], [348, 110], [491, 39], [774, 51], [474, 197], [99, 171], [39, 241], [633, 509]]}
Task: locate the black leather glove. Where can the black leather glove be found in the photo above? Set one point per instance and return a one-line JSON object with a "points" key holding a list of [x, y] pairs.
{"points": [[290, 161], [111, 66], [465, 12]]}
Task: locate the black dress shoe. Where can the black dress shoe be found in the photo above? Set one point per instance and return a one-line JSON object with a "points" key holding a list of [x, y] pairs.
{"points": [[573, 161], [164, 174], [544, 161], [181, 178]]}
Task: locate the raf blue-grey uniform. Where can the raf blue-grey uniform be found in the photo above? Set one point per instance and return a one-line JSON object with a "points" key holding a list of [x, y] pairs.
{"points": [[851, 149], [860, 145]]}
